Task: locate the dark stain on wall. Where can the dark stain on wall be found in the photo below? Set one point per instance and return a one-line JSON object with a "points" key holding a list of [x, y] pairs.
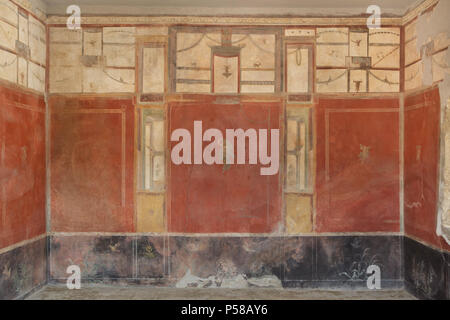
{"points": [[23, 269], [180, 261], [99, 258], [345, 260], [426, 271], [151, 255]]}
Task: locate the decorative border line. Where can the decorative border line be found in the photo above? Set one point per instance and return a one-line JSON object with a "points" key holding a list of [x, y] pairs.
{"points": [[396, 21], [211, 20], [416, 106], [24, 106], [35, 7], [401, 173], [417, 11], [425, 243], [218, 235], [22, 243], [279, 21]]}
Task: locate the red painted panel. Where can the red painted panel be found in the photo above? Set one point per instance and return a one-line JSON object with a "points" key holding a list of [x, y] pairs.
{"points": [[223, 198], [22, 166], [92, 164], [357, 168], [422, 130]]}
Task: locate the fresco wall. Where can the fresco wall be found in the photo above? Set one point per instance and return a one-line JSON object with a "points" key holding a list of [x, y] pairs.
{"points": [[422, 128], [22, 143], [358, 149], [118, 93], [433, 41], [426, 195], [180, 63], [23, 166], [92, 164], [357, 165], [23, 47], [426, 253], [224, 198]]}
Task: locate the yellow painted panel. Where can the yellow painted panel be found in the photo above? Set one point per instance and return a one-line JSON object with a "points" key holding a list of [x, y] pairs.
{"points": [[298, 213], [150, 213]]}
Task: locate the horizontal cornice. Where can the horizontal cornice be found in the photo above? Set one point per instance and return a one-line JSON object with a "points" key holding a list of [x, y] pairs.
{"points": [[218, 20], [417, 11], [241, 20]]}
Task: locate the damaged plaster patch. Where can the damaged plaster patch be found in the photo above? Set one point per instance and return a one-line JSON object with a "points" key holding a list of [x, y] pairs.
{"points": [[191, 281], [269, 281], [432, 33], [230, 282], [443, 226]]}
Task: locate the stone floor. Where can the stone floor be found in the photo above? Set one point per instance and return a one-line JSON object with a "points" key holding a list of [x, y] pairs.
{"points": [[91, 292]]}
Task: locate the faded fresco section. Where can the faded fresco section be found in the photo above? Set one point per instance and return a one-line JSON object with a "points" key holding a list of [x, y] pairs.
{"points": [[357, 170], [23, 269], [176, 73], [421, 193], [445, 206], [92, 164], [95, 59], [22, 148], [357, 59], [229, 262], [22, 170], [22, 47], [224, 197], [427, 60]]}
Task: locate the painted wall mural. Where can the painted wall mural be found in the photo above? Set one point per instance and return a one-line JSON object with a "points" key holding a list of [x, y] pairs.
{"points": [[357, 165], [187, 73], [358, 60], [417, 54], [224, 197], [22, 47], [359, 123], [92, 164], [422, 123], [22, 150], [22, 173], [225, 60]]}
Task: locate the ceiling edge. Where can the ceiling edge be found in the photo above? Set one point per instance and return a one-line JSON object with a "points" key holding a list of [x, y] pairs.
{"points": [[39, 8]]}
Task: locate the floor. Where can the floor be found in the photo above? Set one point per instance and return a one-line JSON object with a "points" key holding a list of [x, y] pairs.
{"points": [[91, 292]]}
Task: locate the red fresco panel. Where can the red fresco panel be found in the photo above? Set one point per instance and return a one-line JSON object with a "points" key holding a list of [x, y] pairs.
{"points": [[357, 167], [92, 164], [422, 129], [223, 198], [22, 166]]}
